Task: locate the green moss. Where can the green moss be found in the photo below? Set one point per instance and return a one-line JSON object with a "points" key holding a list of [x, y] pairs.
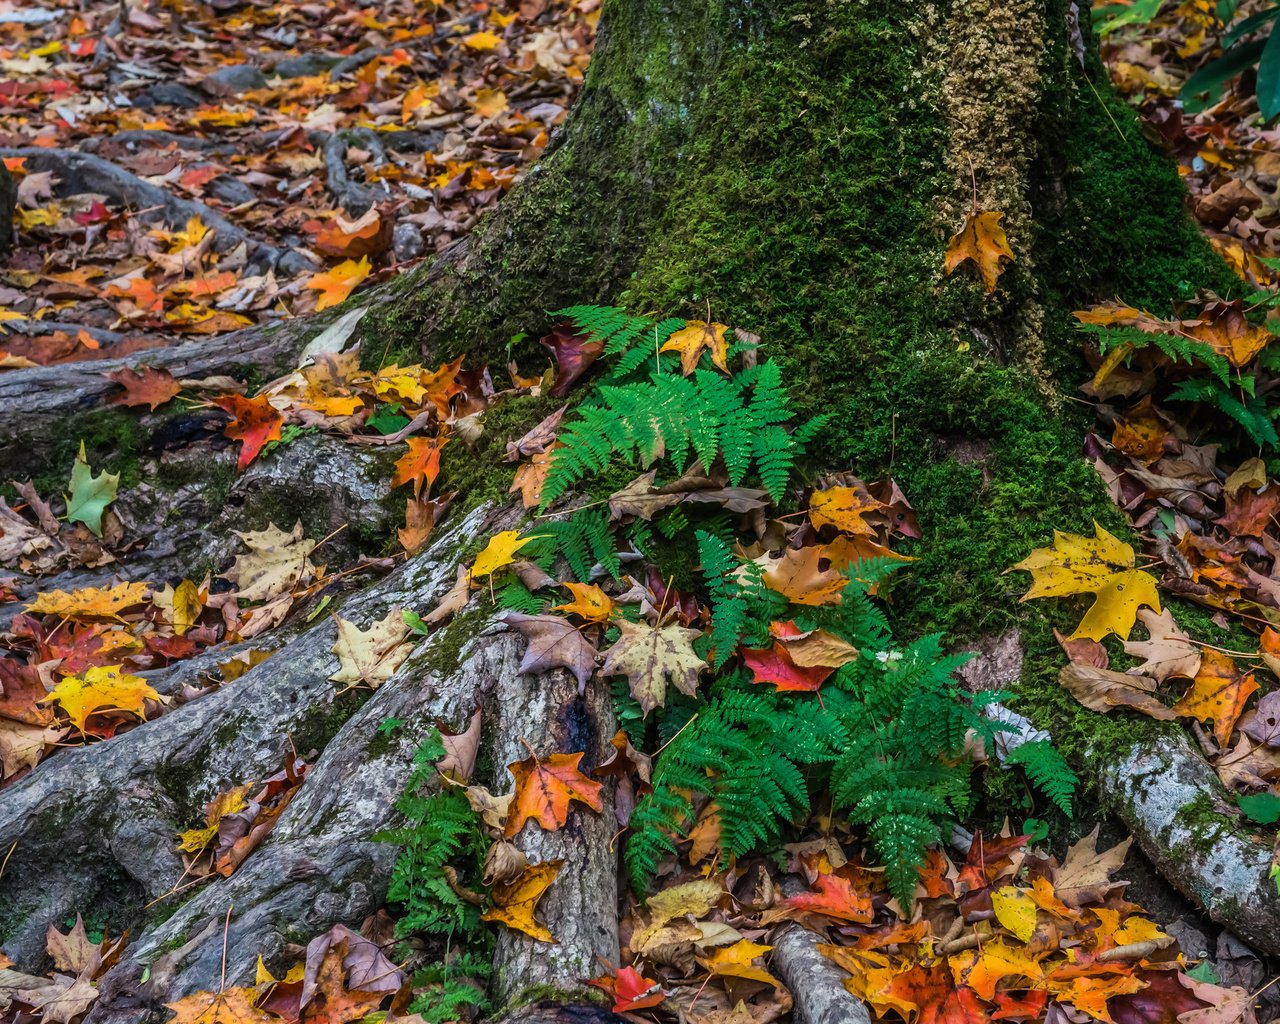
{"points": [[112, 441], [1205, 821], [321, 722], [444, 651]]}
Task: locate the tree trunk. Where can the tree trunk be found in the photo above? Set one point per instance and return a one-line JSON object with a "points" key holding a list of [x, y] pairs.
{"points": [[791, 167]]}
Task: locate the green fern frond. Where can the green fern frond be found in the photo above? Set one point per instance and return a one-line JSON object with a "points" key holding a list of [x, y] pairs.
{"points": [[1047, 770]]}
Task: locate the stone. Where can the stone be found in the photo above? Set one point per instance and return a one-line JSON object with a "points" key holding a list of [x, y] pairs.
{"points": [[305, 65], [167, 94], [406, 241], [233, 80]]}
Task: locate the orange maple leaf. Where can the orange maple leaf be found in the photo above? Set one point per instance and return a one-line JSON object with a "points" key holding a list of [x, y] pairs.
{"points": [[1218, 694], [420, 464], [336, 284], [981, 240], [544, 789], [255, 421], [836, 897]]}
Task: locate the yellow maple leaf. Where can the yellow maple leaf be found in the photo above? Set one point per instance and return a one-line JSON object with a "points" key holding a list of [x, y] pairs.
{"points": [[490, 102], [696, 337], [515, 903], [482, 41], [738, 961], [981, 240], [90, 602], [500, 551], [843, 508], [589, 602], [101, 688], [336, 284], [1100, 565], [193, 840], [1016, 910]]}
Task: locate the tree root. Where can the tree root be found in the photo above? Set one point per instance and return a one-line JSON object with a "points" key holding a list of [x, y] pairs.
{"points": [[84, 172], [102, 819], [1156, 789], [547, 714]]}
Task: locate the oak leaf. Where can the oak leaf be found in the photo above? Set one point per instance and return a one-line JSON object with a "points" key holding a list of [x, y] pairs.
{"points": [[370, 657], [1168, 652], [275, 563], [89, 495], [514, 904], [982, 240], [553, 643], [91, 602], [254, 422], [544, 789], [1101, 565], [1103, 690], [653, 657], [1218, 694], [420, 464], [696, 337], [101, 688], [144, 385]]}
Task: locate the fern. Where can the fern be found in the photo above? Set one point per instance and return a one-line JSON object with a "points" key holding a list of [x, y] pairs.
{"points": [[1177, 347], [583, 540], [453, 989], [440, 828], [666, 415], [1047, 770], [633, 339], [1250, 412], [515, 596]]}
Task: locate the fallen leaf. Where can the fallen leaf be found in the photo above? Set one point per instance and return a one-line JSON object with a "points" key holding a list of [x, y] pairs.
{"points": [[1016, 911], [696, 337], [553, 643], [1100, 565], [90, 495], [101, 688], [1169, 651], [982, 240], [544, 789], [1218, 694], [145, 385], [739, 961], [651, 658], [335, 284], [369, 657], [1085, 875], [630, 989], [91, 602], [230, 1006], [514, 905], [775, 665], [1103, 690], [843, 508], [254, 422], [499, 552], [589, 602], [275, 563], [420, 464]]}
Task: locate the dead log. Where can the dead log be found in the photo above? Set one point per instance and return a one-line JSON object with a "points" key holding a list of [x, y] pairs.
{"points": [[1163, 790]]}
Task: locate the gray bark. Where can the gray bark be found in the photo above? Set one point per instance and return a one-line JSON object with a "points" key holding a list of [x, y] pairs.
{"points": [[1225, 869]]}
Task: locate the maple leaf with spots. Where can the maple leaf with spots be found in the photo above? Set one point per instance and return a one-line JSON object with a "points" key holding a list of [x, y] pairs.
{"points": [[544, 789], [982, 240]]}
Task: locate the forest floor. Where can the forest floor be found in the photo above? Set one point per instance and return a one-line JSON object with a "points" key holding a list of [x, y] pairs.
{"points": [[187, 169]]}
